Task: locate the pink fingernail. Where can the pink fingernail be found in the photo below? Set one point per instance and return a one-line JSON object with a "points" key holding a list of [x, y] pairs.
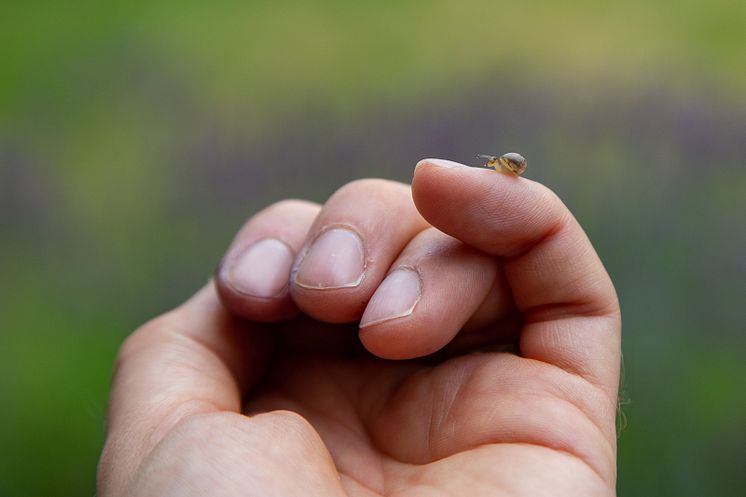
{"points": [[396, 297], [262, 270], [334, 260]]}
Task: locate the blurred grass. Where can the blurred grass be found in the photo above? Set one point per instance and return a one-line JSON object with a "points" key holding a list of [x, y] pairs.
{"points": [[136, 136], [268, 58]]}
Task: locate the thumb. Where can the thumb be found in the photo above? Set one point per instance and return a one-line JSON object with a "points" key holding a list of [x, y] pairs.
{"points": [[569, 306]]}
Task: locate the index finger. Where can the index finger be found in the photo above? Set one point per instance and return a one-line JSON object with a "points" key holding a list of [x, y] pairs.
{"points": [[570, 309]]}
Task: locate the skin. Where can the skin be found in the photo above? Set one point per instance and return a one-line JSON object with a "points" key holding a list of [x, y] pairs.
{"points": [[236, 395]]}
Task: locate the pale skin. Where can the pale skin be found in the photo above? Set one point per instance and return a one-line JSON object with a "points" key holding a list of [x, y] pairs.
{"points": [[518, 399]]}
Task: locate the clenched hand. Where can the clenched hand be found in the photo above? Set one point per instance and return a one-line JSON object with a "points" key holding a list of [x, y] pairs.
{"points": [[459, 337]]}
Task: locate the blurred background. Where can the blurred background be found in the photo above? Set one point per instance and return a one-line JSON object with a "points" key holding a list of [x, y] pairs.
{"points": [[136, 137]]}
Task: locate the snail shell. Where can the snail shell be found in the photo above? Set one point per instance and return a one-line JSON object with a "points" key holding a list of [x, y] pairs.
{"points": [[510, 162]]}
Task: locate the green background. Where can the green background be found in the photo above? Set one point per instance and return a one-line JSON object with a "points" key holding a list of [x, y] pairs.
{"points": [[136, 137]]}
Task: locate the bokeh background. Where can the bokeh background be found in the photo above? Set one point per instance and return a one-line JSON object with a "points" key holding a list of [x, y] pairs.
{"points": [[136, 137]]}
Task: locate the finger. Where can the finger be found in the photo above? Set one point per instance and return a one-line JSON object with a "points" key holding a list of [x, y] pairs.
{"points": [[433, 288], [497, 306], [570, 309], [195, 359], [358, 233], [252, 279], [495, 326]]}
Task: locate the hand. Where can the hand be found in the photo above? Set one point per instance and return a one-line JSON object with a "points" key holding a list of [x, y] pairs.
{"points": [[249, 389]]}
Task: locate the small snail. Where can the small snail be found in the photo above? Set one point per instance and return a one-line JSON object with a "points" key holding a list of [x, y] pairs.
{"points": [[509, 163]]}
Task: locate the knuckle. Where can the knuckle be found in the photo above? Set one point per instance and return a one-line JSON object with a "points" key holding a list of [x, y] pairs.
{"points": [[195, 445], [142, 338], [132, 344], [143, 335], [204, 433], [298, 431], [293, 421], [214, 429], [194, 428]]}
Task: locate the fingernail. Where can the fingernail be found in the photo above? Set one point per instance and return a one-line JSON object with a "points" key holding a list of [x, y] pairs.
{"points": [[396, 297], [334, 260], [448, 164], [262, 270]]}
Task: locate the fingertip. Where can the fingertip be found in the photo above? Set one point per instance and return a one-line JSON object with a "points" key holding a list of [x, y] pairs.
{"points": [[398, 344], [408, 336], [253, 278], [501, 214], [361, 229], [385, 328], [440, 163], [435, 286], [260, 270], [435, 180], [264, 301], [556, 278]]}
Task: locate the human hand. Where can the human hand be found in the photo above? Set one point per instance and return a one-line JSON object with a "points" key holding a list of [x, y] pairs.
{"points": [[260, 395]]}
